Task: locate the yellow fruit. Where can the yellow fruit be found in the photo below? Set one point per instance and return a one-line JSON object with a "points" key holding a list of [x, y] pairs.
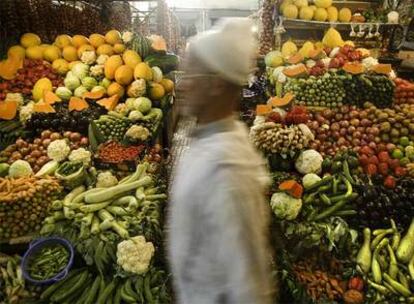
{"points": [[41, 86], [306, 49], [323, 3], [313, 7], [119, 48], [105, 49], [289, 48], [96, 40], [61, 66], [284, 3], [168, 85], [44, 46], [111, 65], [34, 52], [16, 50], [51, 53], [30, 39], [306, 13], [79, 40], [124, 75], [115, 89], [320, 14], [350, 43], [142, 70], [290, 11], [73, 63], [85, 48], [332, 38], [301, 3], [70, 53], [319, 45], [131, 58], [345, 15], [157, 91], [113, 37], [332, 14], [63, 40]]}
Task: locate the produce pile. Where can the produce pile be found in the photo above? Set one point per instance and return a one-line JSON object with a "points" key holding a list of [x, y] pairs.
{"points": [[80, 159]]}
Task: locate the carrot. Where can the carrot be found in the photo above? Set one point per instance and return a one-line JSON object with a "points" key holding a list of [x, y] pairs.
{"points": [[292, 187]]}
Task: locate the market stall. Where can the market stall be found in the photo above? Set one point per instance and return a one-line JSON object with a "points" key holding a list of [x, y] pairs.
{"points": [[336, 125]]}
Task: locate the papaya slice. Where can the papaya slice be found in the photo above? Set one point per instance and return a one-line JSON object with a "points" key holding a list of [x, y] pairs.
{"points": [[109, 103], [263, 109], [43, 107], [94, 95], [8, 109], [50, 97], [296, 71], [77, 104], [382, 68], [295, 59], [353, 68], [282, 102]]}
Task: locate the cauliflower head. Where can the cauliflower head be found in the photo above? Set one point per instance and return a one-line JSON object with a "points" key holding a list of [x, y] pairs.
{"points": [[134, 255], [137, 133], [102, 59], [20, 168], [97, 70], [26, 112], [82, 155], [127, 36], [309, 161], [137, 88], [285, 206], [135, 115], [106, 179], [88, 57], [58, 150], [16, 97], [122, 108], [309, 179]]}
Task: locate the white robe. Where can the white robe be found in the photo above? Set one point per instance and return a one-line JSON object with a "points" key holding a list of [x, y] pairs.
{"points": [[218, 220]]}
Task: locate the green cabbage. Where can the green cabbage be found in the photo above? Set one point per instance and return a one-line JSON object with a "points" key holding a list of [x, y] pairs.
{"points": [[143, 105], [63, 93], [105, 83], [80, 91], [89, 82], [80, 70], [98, 89], [72, 82], [20, 168]]}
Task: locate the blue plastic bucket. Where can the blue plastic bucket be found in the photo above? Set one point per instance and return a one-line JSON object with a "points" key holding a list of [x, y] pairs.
{"points": [[37, 245]]}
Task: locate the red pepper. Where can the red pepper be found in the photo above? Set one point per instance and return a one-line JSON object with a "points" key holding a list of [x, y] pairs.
{"points": [[383, 156], [356, 283], [383, 169], [371, 169], [400, 171], [390, 182], [373, 160]]}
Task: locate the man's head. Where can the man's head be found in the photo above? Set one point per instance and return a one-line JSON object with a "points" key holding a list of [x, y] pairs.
{"points": [[217, 64]]}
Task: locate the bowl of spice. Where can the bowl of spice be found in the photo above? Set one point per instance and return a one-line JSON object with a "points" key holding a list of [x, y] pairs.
{"points": [[48, 260]]}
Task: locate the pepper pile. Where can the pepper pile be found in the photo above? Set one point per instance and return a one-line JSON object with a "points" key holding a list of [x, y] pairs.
{"points": [[48, 262], [113, 152]]}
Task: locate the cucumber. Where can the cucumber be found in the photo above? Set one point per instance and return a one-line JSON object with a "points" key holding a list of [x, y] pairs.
{"points": [[117, 297], [52, 288], [74, 284], [92, 139], [127, 297], [92, 292], [106, 292]]}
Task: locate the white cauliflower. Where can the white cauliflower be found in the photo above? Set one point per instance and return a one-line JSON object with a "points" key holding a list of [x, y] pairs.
{"points": [[326, 61], [310, 63], [122, 108], [26, 112], [137, 88], [392, 74], [88, 57], [97, 70], [58, 150], [17, 97], [106, 179], [369, 62], [309, 161], [135, 115], [20, 168], [137, 133], [309, 179], [134, 255], [82, 155], [127, 36], [102, 59], [285, 206]]}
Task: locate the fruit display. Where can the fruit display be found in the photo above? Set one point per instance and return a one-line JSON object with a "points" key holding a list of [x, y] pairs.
{"points": [[78, 116], [404, 91]]}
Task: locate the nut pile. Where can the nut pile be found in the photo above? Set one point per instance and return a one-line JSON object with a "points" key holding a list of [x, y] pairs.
{"points": [[266, 34], [276, 138]]}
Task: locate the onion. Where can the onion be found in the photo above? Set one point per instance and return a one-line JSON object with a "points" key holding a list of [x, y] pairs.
{"points": [[320, 119], [46, 142], [381, 146], [314, 146], [20, 143], [357, 134], [361, 129], [365, 122], [336, 135], [390, 147], [341, 141], [375, 131], [355, 122], [36, 154], [55, 136], [378, 140], [354, 114], [344, 123], [45, 134], [74, 137], [37, 141], [344, 109], [338, 117], [335, 126], [351, 129], [343, 131], [67, 134], [371, 137], [372, 145], [84, 141], [356, 142]]}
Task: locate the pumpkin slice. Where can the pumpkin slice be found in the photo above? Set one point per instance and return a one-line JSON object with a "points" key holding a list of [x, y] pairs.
{"points": [[9, 67], [77, 104], [296, 71], [281, 102], [354, 68], [43, 107], [8, 109], [109, 103], [263, 110], [382, 68], [317, 54], [50, 97], [295, 59], [93, 95]]}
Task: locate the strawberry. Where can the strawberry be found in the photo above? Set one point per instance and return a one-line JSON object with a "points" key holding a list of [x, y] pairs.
{"points": [[383, 169], [371, 169], [390, 182], [383, 156]]}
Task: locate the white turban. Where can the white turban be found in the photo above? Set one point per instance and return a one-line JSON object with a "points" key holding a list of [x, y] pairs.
{"points": [[228, 49]]}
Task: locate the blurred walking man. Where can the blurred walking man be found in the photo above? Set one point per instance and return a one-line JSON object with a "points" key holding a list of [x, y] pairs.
{"points": [[218, 223]]}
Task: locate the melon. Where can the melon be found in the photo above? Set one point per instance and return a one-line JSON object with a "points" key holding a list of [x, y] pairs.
{"points": [[345, 15], [301, 3], [157, 91], [350, 43], [289, 48], [332, 14], [131, 58], [306, 13], [119, 48], [63, 40], [115, 89], [70, 53], [51, 53], [299, 70], [167, 84], [96, 40], [111, 65], [321, 14], [323, 3], [290, 11], [105, 49], [274, 59], [283, 5], [79, 40], [41, 86], [34, 52], [30, 39], [143, 71], [332, 38], [306, 49], [113, 37], [124, 75], [17, 51], [313, 7]]}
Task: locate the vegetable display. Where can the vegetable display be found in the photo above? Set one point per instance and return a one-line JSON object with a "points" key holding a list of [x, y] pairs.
{"points": [[48, 262]]}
